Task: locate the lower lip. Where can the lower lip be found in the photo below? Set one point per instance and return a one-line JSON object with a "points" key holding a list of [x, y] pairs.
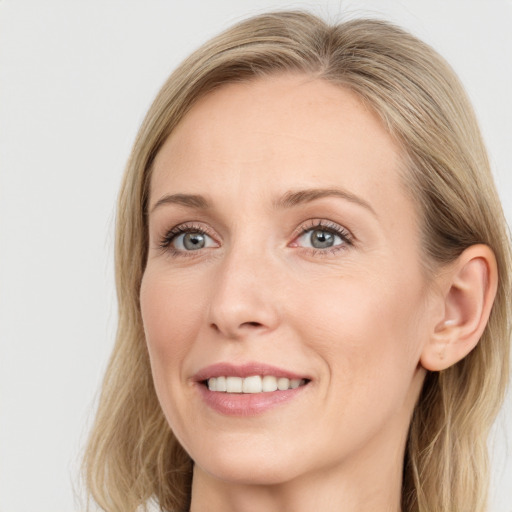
{"points": [[246, 404]]}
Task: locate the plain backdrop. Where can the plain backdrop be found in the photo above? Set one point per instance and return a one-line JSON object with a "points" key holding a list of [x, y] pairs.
{"points": [[76, 78]]}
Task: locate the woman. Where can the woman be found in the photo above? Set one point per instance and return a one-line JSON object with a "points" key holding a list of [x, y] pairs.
{"points": [[312, 272]]}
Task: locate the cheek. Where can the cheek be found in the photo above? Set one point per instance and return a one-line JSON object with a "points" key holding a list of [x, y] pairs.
{"points": [[369, 334], [371, 351], [171, 317], [171, 312]]}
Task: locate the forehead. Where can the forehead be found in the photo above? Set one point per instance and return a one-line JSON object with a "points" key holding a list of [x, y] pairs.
{"points": [[267, 136]]}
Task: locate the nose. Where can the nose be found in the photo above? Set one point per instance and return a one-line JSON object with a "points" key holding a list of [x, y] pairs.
{"points": [[245, 295]]}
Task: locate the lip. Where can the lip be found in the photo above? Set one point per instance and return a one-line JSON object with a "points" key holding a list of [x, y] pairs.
{"points": [[245, 404], [244, 370]]}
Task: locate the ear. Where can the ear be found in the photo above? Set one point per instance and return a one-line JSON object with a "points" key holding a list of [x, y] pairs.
{"points": [[468, 291]]}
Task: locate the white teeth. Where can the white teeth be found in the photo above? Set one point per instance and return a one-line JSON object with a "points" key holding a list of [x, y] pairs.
{"points": [[221, 384], [234, 384], [269, 383], [294, 383], [283, 383], [253, 384]]}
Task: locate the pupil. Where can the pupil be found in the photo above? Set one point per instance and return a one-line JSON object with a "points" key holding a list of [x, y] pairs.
{"points": [[193, 241], [321, 239]]}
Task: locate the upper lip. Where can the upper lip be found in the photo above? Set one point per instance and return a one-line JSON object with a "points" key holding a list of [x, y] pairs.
{"points": [[244, 370]]}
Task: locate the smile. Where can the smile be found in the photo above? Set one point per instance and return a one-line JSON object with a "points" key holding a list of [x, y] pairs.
{"points": [[253, 384], [248, 389]]}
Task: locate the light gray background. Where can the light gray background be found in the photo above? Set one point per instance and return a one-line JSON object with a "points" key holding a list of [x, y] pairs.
{"points": [[76, 78]]}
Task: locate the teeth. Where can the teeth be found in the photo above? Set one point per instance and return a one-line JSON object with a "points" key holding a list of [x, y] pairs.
{"points": [[221, 384], [283, 383], [269, 383], [294, 383], [253, 384], [233, 384]]}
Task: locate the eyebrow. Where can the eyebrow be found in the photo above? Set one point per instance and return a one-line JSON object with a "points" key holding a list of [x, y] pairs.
{"points": [[299, 197], [190, 200], [288, 200]]}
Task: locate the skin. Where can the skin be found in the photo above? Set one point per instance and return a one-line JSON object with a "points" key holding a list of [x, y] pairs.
{"points": [[354, 320]]}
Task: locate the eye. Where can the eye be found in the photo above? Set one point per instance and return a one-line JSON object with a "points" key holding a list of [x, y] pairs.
{"points": [[183, 239], [192, 241], [319, 239], [323, 236]]}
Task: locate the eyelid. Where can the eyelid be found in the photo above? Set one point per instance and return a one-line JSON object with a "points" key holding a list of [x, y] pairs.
{"points": [[328, 225], [165, 241]]}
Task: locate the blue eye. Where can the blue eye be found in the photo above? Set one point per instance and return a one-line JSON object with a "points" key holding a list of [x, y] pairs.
{"points": [[320, 239], [318, 235], [323, 236], [192, 241], [183, 239]]}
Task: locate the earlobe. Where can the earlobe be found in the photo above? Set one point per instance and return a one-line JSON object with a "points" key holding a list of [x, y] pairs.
{"points": [[469, 287]]}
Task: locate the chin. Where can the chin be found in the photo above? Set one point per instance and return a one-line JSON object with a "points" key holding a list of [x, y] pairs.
{"points": [[249, 466]]}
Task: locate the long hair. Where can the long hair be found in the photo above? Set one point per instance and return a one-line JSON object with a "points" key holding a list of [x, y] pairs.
{"points": [[132, 457]]}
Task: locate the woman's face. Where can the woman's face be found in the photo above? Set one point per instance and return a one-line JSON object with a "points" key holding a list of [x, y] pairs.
{"points": [[284, 252]]}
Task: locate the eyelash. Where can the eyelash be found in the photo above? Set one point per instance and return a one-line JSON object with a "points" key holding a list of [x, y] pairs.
{"points": [[166, 242], [311, 225], [331, 227]]}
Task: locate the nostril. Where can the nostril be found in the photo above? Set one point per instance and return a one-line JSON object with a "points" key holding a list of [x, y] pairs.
{"points": [[252, 324], [245, 324], [240, 330]]}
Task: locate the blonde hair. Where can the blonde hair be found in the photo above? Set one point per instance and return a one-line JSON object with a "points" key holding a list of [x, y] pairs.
{"points": [[132, 456]]}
